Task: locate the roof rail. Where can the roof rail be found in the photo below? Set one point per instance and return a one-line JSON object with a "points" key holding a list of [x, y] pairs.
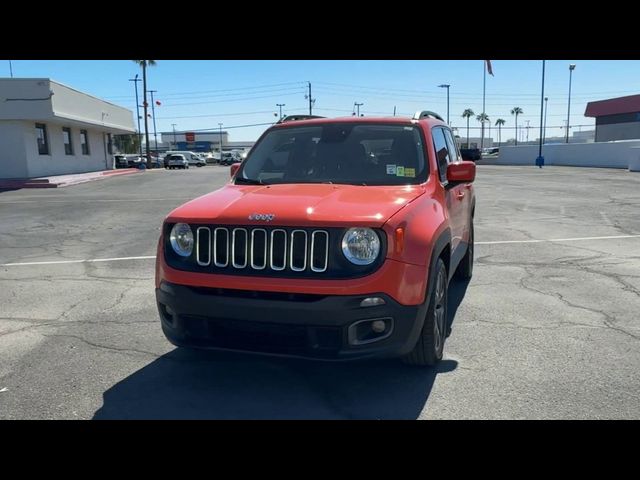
{"points": [[293, 118], [426, 113]]}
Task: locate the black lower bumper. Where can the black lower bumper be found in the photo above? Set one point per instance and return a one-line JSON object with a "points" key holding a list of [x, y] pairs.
{"points": [[312, 326]]}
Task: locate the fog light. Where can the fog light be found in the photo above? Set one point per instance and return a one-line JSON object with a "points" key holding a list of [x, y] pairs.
{"points": [[372, 302], [369, 330], [378, 326]]}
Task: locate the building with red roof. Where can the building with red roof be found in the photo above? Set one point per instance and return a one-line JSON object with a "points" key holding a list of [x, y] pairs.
{"points": [[616, 118]]}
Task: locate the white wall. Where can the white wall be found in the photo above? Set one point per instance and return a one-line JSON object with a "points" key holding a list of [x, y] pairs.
{"points": [[11, 90], [12, 150], [601, 154], [75, 105], [58, 163]]}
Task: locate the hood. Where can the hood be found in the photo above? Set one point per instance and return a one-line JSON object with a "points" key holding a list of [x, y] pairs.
{"points": [[299, 204]]}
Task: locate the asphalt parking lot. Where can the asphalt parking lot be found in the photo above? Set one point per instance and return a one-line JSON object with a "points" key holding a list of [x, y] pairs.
{"points": [[548, 328]]}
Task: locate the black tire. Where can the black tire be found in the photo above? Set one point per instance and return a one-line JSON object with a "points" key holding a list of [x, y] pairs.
{"points": [[465, 268], [430, 346]]}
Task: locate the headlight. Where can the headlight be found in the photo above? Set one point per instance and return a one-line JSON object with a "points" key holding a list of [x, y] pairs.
{"points": [[181, 239], [361, 246]]}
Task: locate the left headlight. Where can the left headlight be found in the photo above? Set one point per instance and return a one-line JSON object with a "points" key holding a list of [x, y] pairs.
{"points": [[181, 238], [361, 246]]}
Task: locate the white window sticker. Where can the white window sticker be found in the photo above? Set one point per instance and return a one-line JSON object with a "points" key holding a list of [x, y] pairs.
{"points": [[391, 169], [400, 171]]}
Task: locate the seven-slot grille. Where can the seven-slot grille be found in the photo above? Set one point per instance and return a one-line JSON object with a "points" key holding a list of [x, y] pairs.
{"points": [[263, 249]]}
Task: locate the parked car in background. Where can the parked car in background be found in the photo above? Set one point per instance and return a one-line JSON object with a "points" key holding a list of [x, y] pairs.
{"points": [[120, 161], [229, 158], [176, 160], [470, 154], [192, 157]]}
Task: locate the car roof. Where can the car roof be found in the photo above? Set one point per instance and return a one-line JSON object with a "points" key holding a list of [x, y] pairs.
{"points": [[359, 120]]}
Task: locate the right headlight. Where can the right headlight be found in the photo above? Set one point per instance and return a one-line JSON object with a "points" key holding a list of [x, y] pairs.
{"points": [[361, 245], [181, 239]]}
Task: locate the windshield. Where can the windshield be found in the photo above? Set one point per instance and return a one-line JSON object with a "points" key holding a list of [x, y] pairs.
{"points": [[360, 154]]}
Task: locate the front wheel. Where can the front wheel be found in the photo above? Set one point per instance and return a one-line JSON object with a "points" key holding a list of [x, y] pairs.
{"points": [[430, 347]]}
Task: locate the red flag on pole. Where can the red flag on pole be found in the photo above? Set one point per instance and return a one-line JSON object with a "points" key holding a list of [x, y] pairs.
{"points": [[489, 69]]}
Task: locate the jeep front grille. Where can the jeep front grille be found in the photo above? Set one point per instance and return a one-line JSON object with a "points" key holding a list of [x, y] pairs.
{"points": [[263, 249]]}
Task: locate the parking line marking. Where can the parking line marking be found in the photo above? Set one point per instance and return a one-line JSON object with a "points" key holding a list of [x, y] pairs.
{"points": [[576, 239], [152, 257], [93, 260]]}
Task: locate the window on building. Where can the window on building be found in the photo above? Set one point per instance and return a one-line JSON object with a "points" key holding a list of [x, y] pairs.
{"points": [[442, 152], [84, 142], [109, 144], [66, 137], [41, 138]]}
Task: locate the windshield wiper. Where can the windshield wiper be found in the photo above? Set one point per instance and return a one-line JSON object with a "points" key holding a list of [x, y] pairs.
{"points": [[249, 181]]}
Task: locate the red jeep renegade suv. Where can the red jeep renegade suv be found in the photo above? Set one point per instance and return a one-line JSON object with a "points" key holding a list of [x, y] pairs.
{"points": [[334, 239]]}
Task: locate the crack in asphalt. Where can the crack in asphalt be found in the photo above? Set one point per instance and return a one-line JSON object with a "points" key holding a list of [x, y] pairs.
{"points": [[105, 347]]}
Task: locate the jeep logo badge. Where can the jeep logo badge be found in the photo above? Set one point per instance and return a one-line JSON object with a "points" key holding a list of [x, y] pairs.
{"points": [[267, 217]]}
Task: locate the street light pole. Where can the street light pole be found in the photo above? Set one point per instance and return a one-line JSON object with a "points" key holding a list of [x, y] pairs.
{"points": [[540, 159], [447, 87], [10, 69], [544, 132], [136, 80], [280, 105], [153, 112], [572, 67], [175, 142], [356, 106]]}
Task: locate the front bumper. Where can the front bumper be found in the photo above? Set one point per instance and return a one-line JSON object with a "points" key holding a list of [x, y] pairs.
{"points": [[311, 326]]}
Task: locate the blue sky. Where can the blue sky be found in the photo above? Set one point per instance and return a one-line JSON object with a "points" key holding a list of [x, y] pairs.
{"points": [[198, 94]]}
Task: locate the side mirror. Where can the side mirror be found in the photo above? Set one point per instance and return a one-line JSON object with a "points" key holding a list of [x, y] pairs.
{"points": [[234, 168], [462, 172]]}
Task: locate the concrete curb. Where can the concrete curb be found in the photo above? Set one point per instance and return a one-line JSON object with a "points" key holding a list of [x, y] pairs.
{"points": [[65, 180]]}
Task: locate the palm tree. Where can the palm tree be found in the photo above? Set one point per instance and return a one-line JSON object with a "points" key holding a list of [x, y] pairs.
{"points": [[144, 64], [468, 113], [483, 117], [499, 124], [516, 111]]}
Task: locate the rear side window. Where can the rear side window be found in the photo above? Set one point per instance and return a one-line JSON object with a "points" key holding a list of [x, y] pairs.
{"points": [[442, 152]]}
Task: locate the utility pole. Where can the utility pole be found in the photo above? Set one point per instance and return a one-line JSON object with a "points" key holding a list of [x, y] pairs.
{"points": [[220, 125], [527, 131], [280, 105], [136, 80], [544, 131], [153, 112], [484, 92], [394, 110], [444, 85], [311, 100], [145, 105], [356, 106], [10, 69], [175, 142], [572, 67]]}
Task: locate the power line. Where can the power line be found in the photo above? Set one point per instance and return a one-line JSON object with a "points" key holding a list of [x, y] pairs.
{"points": [[219, 90]]}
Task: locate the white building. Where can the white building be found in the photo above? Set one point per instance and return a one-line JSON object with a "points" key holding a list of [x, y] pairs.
{"points": [[47, 128]]}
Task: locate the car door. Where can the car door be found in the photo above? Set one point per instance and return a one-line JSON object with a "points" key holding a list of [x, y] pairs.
{"points": [[463, 193], [454, 195]]}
